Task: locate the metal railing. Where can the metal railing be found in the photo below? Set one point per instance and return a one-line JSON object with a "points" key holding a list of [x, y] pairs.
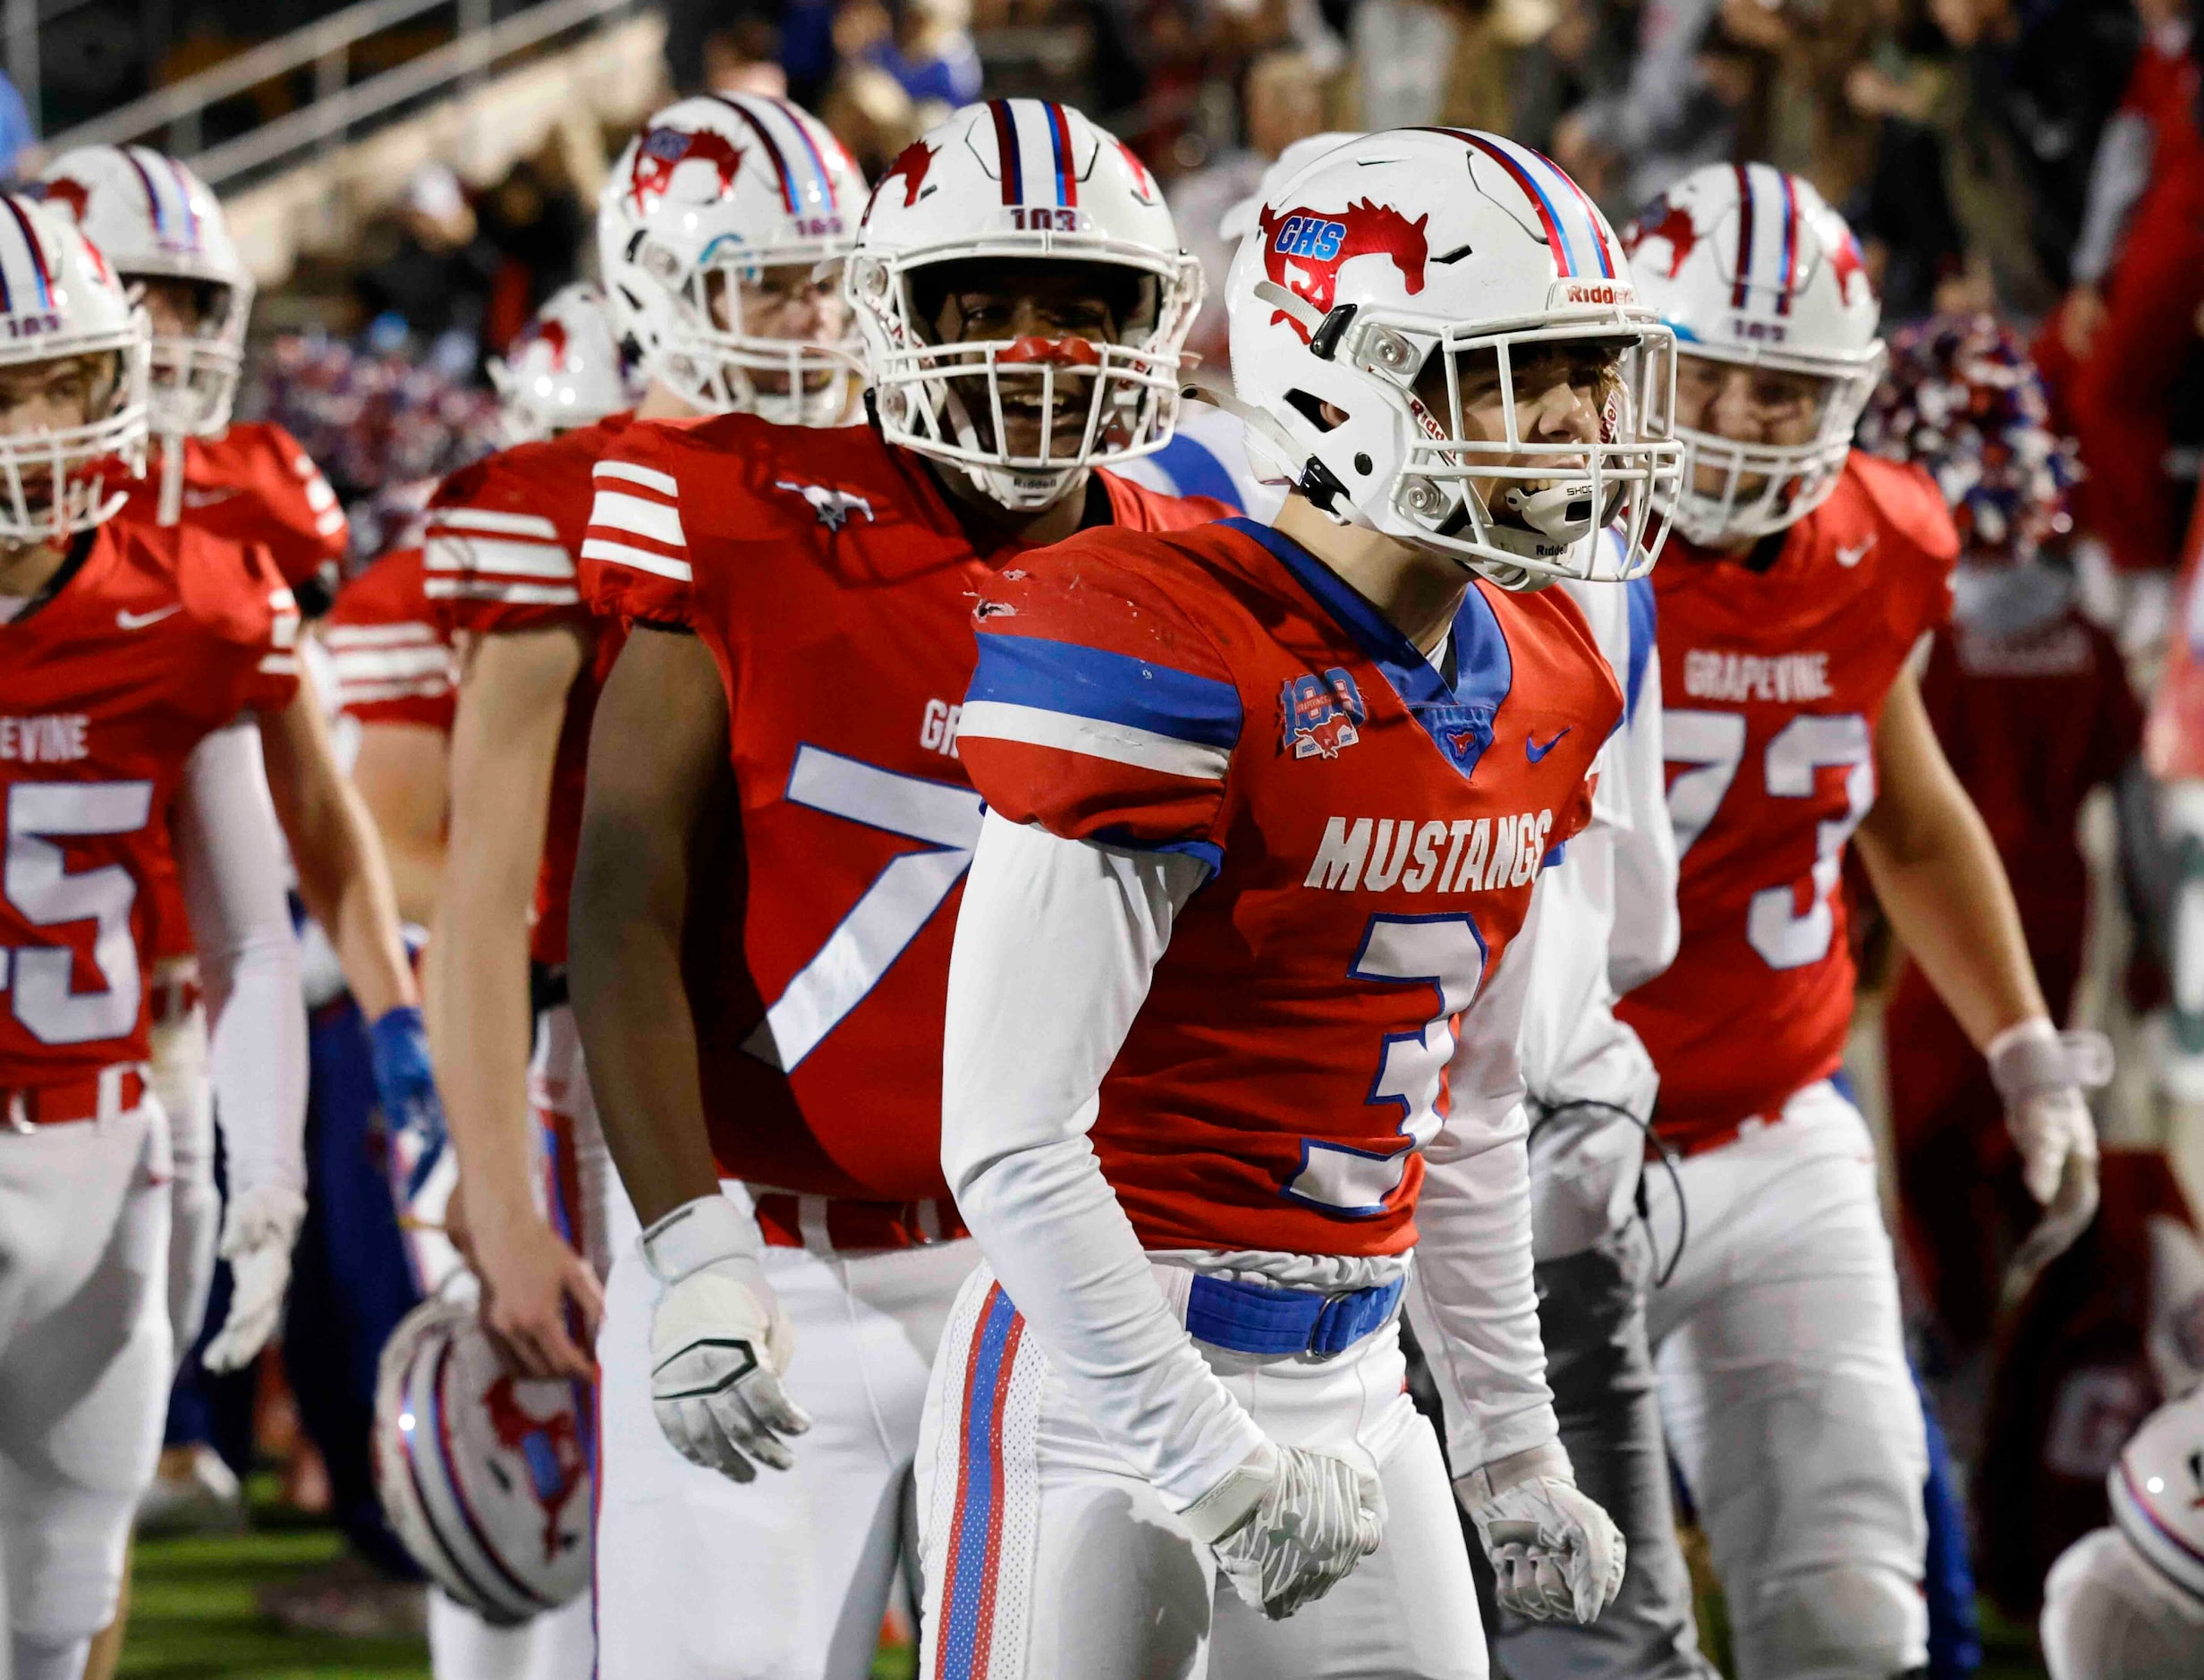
{"points": [[173, 115]]}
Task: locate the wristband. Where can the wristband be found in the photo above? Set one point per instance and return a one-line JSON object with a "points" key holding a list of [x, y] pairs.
{"points": [[1488, 1482], [696, 1234]]}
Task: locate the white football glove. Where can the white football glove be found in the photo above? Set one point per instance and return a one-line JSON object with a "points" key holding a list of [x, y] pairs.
{"points": [[262, 1225], [1554, 1552], [2041, 1073], [1317, 1516], [719, 1342]]}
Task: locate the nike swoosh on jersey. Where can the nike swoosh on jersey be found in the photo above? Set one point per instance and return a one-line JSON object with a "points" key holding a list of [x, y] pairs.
{"points": [[125, 619], [1853, 556], [1535, 753]]}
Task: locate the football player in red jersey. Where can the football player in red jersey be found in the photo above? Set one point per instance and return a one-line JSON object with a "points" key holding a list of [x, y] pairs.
{"points": [[712, 231], [1237, 977], [126, 654], [1806, 576], [1024, 301]]}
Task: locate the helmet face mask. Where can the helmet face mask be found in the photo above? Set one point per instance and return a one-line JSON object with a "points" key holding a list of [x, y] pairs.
{"points": [[1075, 360], [1439, 342], [197, 349], [1776, 319], [723, 207]]}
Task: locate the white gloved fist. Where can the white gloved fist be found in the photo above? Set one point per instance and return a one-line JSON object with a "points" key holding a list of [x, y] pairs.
{"points": [[1315, 1517], [256, 1235], [1554, 1552], [719, 1342]]}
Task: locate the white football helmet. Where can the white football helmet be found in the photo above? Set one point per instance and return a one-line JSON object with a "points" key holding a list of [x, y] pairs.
{"points": [[1752, 269], [1413, 244], [1022, 180], [563, 370], [485, 1476], [2158, 1492], [714, 190], [59, 301], [153, 219]]}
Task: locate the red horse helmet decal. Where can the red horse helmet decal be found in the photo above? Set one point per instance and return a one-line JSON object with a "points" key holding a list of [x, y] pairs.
{"points": [[1304, 250]]}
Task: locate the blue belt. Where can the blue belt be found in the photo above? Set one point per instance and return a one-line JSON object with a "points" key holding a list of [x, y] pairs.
{"points": [[1264, 1319]]}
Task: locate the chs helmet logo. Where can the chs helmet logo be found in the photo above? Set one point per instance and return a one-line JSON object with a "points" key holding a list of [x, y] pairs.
{"points": [[911, 164], [1668, 222], [550, 333], [1304, 250], [1318, 716], [663, 152]]}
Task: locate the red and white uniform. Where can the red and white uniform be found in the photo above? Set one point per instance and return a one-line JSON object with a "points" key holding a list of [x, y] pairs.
{"points": [[115, 688], [253, 484], [1242, 934], [832, 582], [391, 648], [1772, 683]]}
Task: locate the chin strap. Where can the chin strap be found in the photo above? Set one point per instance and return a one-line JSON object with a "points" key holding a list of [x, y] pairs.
{"points": [[171, 510]]}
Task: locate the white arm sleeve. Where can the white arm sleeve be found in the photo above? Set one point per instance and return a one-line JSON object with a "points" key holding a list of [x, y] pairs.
{"points": [[229, 853], [1470, 1296], [1055, 948], [1646, 927]]}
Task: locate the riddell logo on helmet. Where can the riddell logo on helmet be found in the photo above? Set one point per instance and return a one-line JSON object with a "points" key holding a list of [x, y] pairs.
{"points": [[664, 150], [1304, 250], [1592, 291]]}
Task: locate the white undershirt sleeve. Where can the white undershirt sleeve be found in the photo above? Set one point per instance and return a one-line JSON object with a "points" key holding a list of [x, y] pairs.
{"points": [[229, 853], [1470, 1297], [1054, 949], [1647, 929]]}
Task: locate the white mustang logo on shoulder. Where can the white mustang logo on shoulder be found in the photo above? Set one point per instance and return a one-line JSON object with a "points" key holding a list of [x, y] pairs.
{"points": [[834, 507]]}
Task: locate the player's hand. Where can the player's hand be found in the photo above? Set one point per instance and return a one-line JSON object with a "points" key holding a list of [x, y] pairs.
{"points": [[256, 1235], [719, 1342], [412, 1111], [1554, 1552], [530, 1279], [1317, 1517], [2041, 1074], [2079, 319]]}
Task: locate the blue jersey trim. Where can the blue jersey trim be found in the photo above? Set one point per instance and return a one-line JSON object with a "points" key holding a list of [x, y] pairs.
{"points": [[1457, 719], [1081, 682], [1644, 632], [1194, 470], [1208, 852]]}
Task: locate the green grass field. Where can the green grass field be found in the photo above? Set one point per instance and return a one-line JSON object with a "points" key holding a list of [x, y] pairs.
{"points": [[192, 1618]]}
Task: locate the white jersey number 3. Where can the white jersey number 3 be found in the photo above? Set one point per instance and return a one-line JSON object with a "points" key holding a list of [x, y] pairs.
{"points": [[1446, 954], [1711, 745], [40, 886]]}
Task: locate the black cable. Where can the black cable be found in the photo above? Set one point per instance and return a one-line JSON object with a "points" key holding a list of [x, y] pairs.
{"points": [[1591, 1105]]}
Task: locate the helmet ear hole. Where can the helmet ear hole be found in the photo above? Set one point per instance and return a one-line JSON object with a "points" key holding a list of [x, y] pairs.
{"points": [[1311, 407]]}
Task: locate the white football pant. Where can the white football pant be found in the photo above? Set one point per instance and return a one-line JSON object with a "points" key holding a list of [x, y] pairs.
{"points": [[1060, 1563], [786, 1577], [557, 1645], [2110, 1614], [84, 1368], [1791, 1412]]}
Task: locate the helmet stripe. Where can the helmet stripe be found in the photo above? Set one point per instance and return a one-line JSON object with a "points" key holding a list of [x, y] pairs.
{"points": [[1744, 236], [38, 254], [153, 193], [772, 146], [1556, 240], [1790, 242], [820, 172], [1060, 142], [1008, 162], [448, 1462], [175, 174]]}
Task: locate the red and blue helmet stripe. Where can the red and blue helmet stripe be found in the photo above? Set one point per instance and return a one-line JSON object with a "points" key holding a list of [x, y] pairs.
{"points": [[1061, 172], [1573, 230], [822, 188], [23, 272], [1779, 221], [175, 224]]}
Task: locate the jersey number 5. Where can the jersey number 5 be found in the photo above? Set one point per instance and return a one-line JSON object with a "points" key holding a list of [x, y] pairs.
{"points": [[40, 886], [1712, 744], [1446, 954]]}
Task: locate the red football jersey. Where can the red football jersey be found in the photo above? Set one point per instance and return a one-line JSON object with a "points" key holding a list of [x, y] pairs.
{"points": [[253, 484], [834, 584], [1374, 828], [502, 537], [389, 648], [1772, 684], [155, 639]]}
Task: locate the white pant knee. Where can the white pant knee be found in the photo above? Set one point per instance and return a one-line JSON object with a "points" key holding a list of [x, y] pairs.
{"points": [[1842, 1622], [34, 1659]]}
